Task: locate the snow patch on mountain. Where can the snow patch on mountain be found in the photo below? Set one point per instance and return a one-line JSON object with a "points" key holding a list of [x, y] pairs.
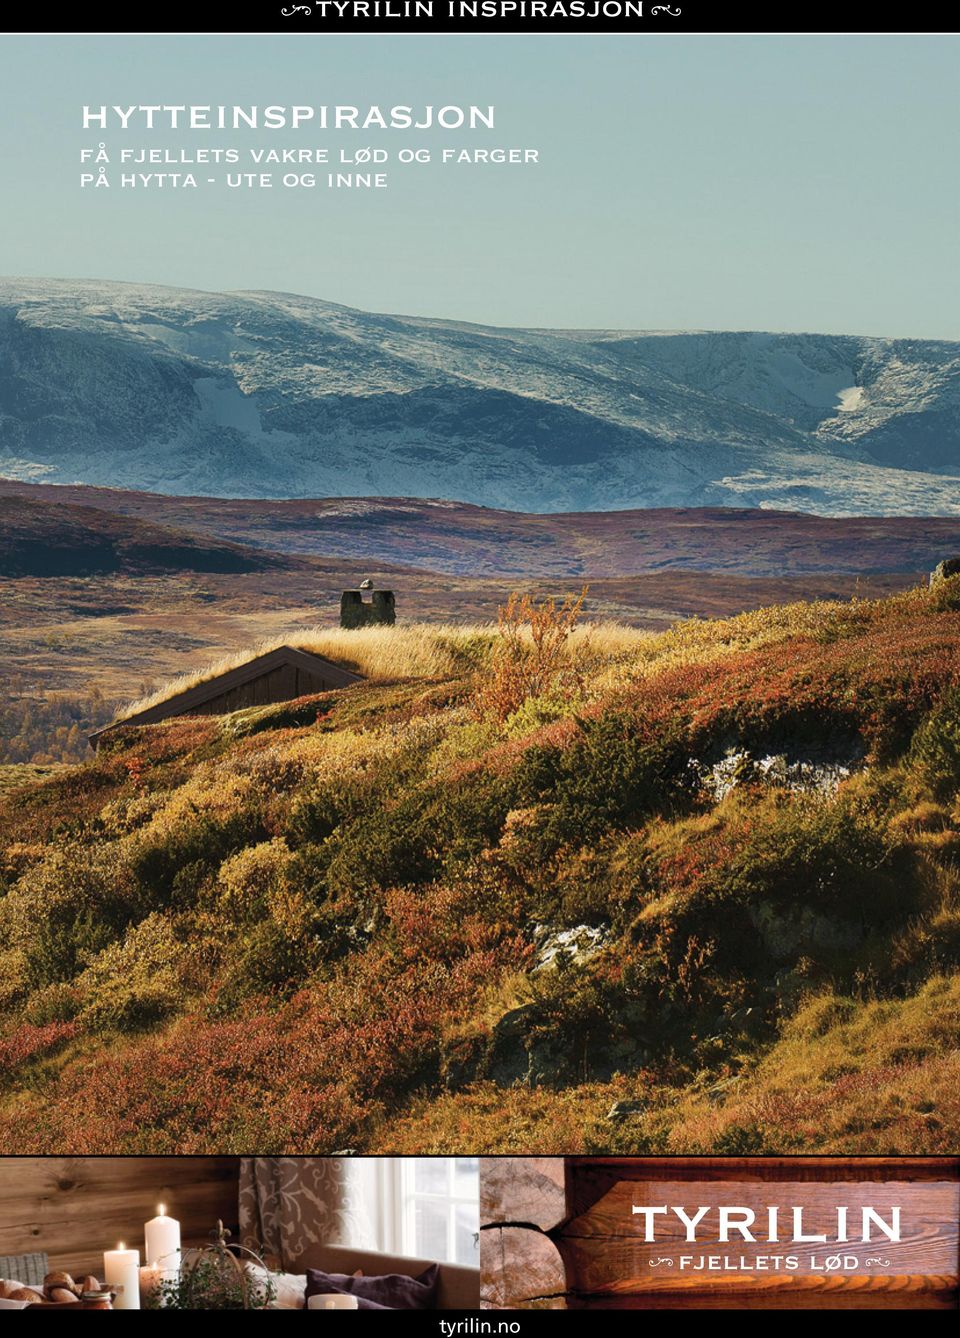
{"points": [[849, 399]]}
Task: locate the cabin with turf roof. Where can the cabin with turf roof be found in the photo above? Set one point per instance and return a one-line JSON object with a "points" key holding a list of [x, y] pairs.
{"points": [[279, 675]]}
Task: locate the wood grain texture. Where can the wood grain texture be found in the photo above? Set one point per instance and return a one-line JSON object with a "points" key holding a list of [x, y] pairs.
{"points": [[761, 1168], [607, 1242], [493, 1284], [589, 1178], [520, 1269], [858, 1293], [523, 1189], [76, 1207], [607, 1265]]}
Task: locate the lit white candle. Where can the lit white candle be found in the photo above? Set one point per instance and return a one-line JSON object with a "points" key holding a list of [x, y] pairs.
{"points": [[121, 1269], [332, 1301], [162, 1235]]}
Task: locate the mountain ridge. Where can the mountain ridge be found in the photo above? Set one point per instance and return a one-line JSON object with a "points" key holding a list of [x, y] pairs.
{"points": [[257, 394]]}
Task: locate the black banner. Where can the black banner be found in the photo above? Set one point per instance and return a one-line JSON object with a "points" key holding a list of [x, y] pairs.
{"points": [[487, 17]]}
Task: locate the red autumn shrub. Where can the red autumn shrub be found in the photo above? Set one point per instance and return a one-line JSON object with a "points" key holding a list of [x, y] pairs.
{"points": [[28, 1042]]}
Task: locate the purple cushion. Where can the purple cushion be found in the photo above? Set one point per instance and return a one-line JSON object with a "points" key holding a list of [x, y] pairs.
{"points": [[390, 1291]]}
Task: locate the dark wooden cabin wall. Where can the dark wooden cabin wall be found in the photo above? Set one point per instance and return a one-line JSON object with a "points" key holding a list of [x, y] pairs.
{"points": [[74, 1208], [280, 685]]}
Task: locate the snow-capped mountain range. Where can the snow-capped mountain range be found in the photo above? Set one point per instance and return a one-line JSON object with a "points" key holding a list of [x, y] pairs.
{"points": [[258, 394]]}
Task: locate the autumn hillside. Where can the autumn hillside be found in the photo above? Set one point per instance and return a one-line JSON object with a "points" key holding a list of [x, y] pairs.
{"points": [[695, 891], [48, 539]]}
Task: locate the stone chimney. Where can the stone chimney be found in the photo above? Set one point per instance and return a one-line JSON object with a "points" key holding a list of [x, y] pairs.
{"points": [[366, 607]]}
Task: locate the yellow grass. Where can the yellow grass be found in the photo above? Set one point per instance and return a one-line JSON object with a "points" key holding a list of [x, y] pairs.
{"points": [[412, 650], [701, 640], [380, 654], [613, 653]]}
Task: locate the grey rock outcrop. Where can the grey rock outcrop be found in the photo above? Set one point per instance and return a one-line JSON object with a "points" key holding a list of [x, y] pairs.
{"points": [[945, 569]]}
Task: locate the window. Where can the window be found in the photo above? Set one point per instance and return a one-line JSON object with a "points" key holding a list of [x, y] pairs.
{"points": [[435, 1207]]}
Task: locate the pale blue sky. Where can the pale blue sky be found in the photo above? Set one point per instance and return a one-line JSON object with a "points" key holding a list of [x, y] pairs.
{"points": [[784, 183]]}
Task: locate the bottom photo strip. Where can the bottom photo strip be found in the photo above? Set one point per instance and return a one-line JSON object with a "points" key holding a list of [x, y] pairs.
{"points": [[479, 1245]]}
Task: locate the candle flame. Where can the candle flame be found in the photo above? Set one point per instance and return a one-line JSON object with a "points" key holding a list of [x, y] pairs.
{"points": [[162, 1210], [120, 1246]]}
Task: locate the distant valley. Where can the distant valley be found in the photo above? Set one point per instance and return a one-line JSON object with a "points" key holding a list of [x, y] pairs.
{"points": [[457, 538]]}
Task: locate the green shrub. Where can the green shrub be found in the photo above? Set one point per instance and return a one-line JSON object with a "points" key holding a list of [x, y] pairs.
{"points": [[944, 930], [574, 1025], [54, 1003], [462, 741], [433, 829], [612, 774], [935, 751], [752, 907], [319, 811], [264, 961], [72, 878], [944, 597], [63, 944], [534, 713], [14, 979], [205, 841], [819, 1015], [582, 889], [135, 983], [251, 883], [66, 909]]}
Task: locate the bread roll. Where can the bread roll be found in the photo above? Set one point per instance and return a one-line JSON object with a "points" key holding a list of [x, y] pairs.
{"points": [[24, 1294], [59, 1280]]}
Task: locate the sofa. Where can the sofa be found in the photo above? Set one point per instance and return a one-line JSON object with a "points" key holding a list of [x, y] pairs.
{"points": [[459, 1287]]}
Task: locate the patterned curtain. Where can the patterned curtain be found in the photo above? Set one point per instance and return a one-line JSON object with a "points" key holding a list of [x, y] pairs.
{"points": [[288, 1203]]}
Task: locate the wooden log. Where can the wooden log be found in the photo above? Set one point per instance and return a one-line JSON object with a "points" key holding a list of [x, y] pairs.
{"points": [[520, 1269], [493, 1290], [529, 1190]]}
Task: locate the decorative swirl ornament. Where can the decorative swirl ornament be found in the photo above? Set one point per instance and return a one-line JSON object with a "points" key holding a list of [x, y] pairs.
{"points": [[660, 1260], [296, 9], [666, 9], [875, 1259]]}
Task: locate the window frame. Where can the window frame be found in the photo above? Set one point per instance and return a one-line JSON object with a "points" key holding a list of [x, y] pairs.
{"points": [[400, 1198]]}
